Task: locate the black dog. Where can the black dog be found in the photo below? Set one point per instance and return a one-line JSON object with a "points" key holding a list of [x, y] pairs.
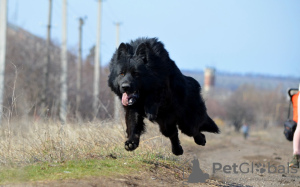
{"points": [[150, 85]]}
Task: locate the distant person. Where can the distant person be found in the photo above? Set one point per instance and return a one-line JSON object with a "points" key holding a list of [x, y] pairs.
{"points": [[296, 140], [245, 130]]}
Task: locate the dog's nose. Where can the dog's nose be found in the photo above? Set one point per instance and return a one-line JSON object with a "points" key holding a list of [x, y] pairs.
{"points": [[125, 86]]}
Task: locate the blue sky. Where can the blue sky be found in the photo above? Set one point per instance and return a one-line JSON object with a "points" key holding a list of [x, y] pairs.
{"points": [[236, 36]]}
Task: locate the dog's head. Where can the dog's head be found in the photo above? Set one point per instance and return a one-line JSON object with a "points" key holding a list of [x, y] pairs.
{"points": [[129, 72], [139, 68]]}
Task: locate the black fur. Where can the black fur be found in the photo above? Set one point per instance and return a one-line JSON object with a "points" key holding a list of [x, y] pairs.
{"points": [[152, 86]]}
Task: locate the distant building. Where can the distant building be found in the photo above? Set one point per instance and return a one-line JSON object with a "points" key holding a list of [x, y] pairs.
{"points": [[209, 78]]}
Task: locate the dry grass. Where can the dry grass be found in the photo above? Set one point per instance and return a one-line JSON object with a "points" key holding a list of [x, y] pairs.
{"points": [[26, 141]]}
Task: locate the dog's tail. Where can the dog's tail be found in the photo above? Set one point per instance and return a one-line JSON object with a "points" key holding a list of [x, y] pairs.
{"points": [[210, 126]]}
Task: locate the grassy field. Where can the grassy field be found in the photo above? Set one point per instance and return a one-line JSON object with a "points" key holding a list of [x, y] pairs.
{"points": [[39, 151], [92, 154], [78, 169]]}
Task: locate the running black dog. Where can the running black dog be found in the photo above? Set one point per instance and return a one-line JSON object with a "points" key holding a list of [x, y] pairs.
{"points": [[150, 85]]}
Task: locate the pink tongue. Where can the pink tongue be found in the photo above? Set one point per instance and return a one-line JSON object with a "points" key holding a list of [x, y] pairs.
{"points": [[125, 99]]}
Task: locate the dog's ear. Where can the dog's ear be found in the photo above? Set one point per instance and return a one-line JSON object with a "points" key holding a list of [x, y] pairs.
{"points": [[141, 51], [122, 50]]}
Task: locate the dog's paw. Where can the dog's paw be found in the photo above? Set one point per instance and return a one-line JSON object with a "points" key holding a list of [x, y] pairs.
{"points": [[200, 139], [177, 150], [130, 145]]}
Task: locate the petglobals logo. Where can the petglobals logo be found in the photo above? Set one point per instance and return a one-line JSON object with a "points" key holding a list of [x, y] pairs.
{"points": [[252, 167], [197, 175]]}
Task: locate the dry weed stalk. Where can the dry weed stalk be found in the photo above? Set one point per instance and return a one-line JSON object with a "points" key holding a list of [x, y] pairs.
{"points": [[30, 142]]}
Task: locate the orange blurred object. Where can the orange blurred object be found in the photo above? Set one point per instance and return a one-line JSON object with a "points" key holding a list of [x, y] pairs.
{"points": [[295, 106]]}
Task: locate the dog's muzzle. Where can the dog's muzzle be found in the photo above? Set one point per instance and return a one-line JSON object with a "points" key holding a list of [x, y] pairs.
{"points": [[129, 99]]}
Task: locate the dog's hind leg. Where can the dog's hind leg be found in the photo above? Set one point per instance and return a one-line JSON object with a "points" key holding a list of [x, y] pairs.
{"points": [[171, 132], [200, 139], [176, 147], [191, 129], [135, 127]]}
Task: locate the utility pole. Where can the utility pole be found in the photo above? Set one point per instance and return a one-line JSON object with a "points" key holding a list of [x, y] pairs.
{"points": [[79, 64], [97, 63], [64, 67], [46, 67], [3, 25], [117, 103]]}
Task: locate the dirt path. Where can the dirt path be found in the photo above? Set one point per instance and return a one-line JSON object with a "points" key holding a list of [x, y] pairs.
{"points": [[262, 151], [267, 152]]}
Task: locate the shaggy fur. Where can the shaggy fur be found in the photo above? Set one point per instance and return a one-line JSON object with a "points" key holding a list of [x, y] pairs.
{"points": [[150, 85]]}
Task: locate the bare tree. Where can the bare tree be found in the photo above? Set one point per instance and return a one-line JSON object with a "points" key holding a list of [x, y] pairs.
{"points": [[251, 105]]}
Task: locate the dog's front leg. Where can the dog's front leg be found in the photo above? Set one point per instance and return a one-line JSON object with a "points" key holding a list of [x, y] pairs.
{"points": [[135, 127], [152, 103], [151, 110]]}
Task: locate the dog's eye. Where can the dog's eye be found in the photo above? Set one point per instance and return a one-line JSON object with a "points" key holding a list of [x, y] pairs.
{"points": [[122, 74]]}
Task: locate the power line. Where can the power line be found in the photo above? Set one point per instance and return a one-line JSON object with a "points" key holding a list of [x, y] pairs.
{"points": [[88, 31], [112, 12]]}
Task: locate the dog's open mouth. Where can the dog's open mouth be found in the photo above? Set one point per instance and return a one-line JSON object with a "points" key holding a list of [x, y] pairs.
{"points": [[129, 99]]}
